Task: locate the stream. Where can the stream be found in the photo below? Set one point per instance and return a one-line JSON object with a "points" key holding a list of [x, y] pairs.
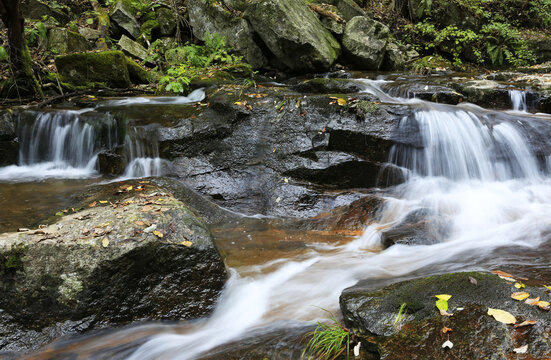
{"points": [[475, 170]]}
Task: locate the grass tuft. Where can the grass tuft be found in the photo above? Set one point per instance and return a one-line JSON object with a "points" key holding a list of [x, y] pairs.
{"points": [[328, 341]]}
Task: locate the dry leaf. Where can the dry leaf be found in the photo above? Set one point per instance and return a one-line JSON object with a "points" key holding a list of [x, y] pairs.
{"points": [[444, 297], [501, 273], [103, 201], [473, 280], [93, 204], [139, 223], [186, 243], [526, 323], [445, 313], [158, 234], [544, 305], [502, 316], [532, 302], [520, 295], [105, 242], [446, 330], [519, 285], [341, 101], [447, 344], [521, 350]]}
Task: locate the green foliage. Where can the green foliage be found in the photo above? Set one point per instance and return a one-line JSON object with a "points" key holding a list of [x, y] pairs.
{"points": [[3, 54], [328, 341], [200, 61], [400, 317], [36, 34]]}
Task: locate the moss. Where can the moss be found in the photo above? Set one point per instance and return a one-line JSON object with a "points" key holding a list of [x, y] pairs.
{"points": [[11, 260], [428, 64], [107, 67], [138, 75], [148, 27]]}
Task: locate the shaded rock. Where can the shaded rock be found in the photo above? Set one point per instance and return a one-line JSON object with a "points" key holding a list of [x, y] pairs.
{"points": [[68, 277], [541, 47], [36, 10], [293, 33], [136, 73], [419, 227], [9, 147], [112, 162], [205, 16], [62, 41], [396, 57], [90, 34], [364, 42], [167, 21], [107, 68], [335, 27], [149, 27], [486, 93], [328, 86], [348, 9], [132, 48], [371, 310], [123, 15]]}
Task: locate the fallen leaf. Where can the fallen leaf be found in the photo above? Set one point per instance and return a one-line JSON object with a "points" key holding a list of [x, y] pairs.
{"points": [[23, 229], [445, 313], [139, 223], [544, 305], [501, 273], [119, 216], [186, 243], [93, 204], [172, 227], [532, 302], [519, 285], [442, 304], [520, 295], [357, 349], [473, 281], [447, 344], [85, 232], [158, 234], [150, 228], [446, 330], [521, 350], [502, 316], [526, 323], [444, 297], [105, 242], [278, 199], [103, 201], [547, 287], [341, 101]]}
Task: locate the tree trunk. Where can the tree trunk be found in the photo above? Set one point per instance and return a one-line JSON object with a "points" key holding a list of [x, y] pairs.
{"points": [[20, 58]]}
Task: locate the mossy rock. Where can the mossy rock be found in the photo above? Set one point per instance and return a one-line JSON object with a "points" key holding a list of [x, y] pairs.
{"points": [[328, 86], [63, 41], [149, 27], [138, 75], [94, 69]]}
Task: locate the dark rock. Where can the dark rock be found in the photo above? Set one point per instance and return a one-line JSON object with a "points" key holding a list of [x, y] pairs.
{"points": [[419, 227], [63, 41], [364, 42], [293, 34], [137, 74], [90, 34], [112, 162], [541, 47], [485, 93], [100, 267], [348, 9], [167, 21], [36, 10], [123, 15], [372, 311], [206, 16], [9, 147], [328, 86]]}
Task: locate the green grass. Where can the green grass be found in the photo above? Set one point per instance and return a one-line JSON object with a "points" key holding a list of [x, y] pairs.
{"points": [[328, 341]]}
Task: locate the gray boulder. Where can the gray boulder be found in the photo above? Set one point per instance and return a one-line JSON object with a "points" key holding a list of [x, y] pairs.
{"points": [[90, 34], [123, 16], [167, 22], [63, 41], [364, 42], [142, 255], [205, 16], [132, 48], [294, 34], [36, 10]]}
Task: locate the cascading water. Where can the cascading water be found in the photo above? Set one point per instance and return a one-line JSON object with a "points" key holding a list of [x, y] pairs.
{"points": [[60, 144], [473, 167], [518, 100], [142, 151]]}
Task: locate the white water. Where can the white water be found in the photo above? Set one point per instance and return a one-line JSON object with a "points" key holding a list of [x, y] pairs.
{"points": [[195, 96], [518, 100], [483, 179]]}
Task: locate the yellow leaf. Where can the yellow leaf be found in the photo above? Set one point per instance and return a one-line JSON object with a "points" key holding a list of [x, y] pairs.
{"points": [[186, 243], [129, 188], [519, 285], [547, 287], [103, 202], [442, 305], [444, 297], [544, 305], [341, 101], [238, 103], [158, 234], [502, 316], [520, 295], [105, 242], [532, 302]]}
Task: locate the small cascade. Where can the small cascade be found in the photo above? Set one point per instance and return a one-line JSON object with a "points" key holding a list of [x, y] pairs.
{"points": [[142, 153], [518, 100], [61, 144]]}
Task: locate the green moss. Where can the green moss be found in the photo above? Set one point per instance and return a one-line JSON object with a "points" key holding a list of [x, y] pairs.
{"points": [[138, 75], [148, 26], [11, 260]]}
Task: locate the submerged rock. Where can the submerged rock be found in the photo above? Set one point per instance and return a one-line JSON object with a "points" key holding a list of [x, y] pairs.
{"points": [[133, 253], [364, 42], [293, 33], [372, 311], [419, 227]]}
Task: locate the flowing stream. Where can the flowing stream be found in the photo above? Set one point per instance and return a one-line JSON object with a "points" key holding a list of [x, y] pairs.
{"points": [[484, 173]]}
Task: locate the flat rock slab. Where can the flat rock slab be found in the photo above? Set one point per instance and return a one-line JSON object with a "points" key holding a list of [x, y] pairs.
{"points": [[132, 253], [418, 334]]}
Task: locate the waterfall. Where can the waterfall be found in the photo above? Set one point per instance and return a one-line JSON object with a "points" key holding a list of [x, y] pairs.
{"points": [[60, 144], [518, 100], [142, 153]]}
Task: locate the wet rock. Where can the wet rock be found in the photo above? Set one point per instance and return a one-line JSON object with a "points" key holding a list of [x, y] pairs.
{"points": [[328, 86], [419, 227], [167, 21], [293, 34], [140, 255], [371, 310], [364, 42], [485, 93], [212, 17], [63, 41], [132, 48], [9, 147], [122, 14], [112, 162], [108, 68]]}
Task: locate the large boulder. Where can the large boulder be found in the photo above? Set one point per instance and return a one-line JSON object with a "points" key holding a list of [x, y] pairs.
{"points": [[107, 68], [135, 252], [37, 10], [9, 147], [364, 42], [123, 15], [373, 311], [347, 9], [211, 17], [293, 33], [63, 41], [167, 21], [132, 48]]}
